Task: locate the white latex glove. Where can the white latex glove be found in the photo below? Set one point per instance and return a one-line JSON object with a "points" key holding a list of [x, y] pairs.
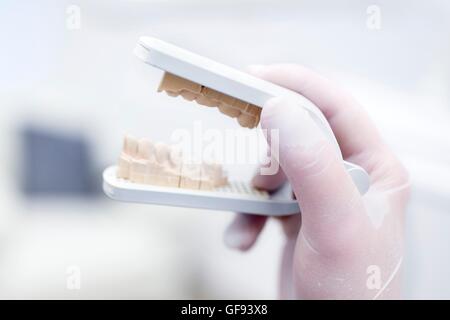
{"points": [[342, 245]]}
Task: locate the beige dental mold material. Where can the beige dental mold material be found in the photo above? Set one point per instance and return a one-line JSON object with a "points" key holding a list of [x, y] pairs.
{"points": [[247, 114], [143, 161]]}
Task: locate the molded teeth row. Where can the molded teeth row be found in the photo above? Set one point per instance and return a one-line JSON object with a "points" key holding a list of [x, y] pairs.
{"points": [[143, 161], [247, 114]]}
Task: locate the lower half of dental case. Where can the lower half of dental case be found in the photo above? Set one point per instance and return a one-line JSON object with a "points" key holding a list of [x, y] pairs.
{"points": [[247, 114], [143, 161]]}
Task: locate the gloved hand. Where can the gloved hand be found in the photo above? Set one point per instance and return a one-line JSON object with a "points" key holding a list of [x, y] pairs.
{"points": [[343, 245]]}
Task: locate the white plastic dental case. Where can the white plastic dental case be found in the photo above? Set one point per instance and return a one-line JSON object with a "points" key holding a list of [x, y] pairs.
{"points": [[238, 196]]}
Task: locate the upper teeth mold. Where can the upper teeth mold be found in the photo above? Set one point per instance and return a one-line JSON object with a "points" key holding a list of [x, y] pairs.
{"points": [[247, 114]]}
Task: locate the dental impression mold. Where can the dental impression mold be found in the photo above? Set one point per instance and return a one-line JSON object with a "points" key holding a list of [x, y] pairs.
{"points": [[156, 173], [247, 114], [146, 162]]}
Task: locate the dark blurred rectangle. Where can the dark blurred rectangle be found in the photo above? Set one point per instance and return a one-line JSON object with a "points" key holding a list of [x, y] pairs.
{"points": [[55, 163]]}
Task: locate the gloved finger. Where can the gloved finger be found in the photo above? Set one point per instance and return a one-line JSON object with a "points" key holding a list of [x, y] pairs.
{"points": [[328, 199], [269, 182], [291, 225], [356, 134], [243, 231]]}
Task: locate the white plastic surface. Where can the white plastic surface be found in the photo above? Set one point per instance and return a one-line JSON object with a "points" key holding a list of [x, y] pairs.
{"points": [[238, 197]]}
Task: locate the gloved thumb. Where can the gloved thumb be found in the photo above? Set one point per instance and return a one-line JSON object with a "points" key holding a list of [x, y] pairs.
{"points": [[325, 191]]}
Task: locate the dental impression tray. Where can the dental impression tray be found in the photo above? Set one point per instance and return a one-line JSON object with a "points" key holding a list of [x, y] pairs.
{"points": [[234, 93]]}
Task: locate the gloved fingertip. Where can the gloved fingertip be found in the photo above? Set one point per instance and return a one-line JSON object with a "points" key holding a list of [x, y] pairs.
{"points": [[259, 182], [237, 238], [269, 182], [294, 125], [242, 233], [273, 107]]}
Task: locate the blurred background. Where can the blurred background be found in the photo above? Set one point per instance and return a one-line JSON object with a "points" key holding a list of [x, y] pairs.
{"points": [[70, 88]]}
